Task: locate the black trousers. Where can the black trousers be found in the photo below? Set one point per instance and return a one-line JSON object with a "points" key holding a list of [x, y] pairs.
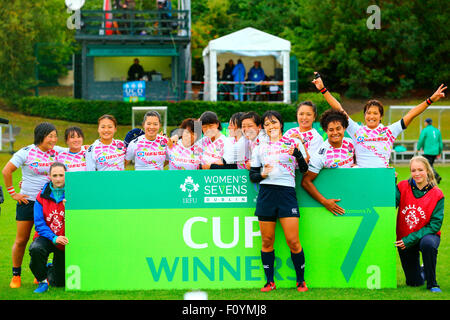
{"points": [[410, 260], [40, 249], [431, 159]]}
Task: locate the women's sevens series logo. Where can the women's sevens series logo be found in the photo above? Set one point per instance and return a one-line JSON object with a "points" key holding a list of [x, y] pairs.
{"points": [[189, 186]]}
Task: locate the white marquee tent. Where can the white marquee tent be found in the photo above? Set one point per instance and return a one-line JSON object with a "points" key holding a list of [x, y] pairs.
{"points": [[248, 42]]}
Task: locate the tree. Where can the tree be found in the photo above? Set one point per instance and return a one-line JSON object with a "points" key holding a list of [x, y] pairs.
{"points": [[24, 25]]}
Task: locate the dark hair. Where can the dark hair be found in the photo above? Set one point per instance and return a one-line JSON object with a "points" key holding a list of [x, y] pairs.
{"points": [[374, 103], [71, 130], [252, 115], [310, 104], [237, 118], [273, 114], [55, 165], [332, 115], [109, 117], [152, 113], [41, 131], [209, 117], [187, 124]]}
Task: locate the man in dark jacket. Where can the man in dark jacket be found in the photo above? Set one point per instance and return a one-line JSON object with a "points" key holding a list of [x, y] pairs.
{"points": [[49, 221], [136, 71]]}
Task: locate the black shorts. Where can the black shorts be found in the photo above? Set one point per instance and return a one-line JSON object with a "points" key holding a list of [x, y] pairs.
{"points": [[25, 212], [276, 202]]}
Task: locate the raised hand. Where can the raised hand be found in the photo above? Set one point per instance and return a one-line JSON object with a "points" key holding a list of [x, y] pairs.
{"points": [[438, 94], [318, 82]]}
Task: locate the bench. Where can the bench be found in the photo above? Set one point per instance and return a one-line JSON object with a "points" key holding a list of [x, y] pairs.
{"points": [[7, 137]]}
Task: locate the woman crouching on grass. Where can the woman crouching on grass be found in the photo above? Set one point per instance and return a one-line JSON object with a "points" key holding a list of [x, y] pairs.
{"points": [[419, 219], [273, 166]]}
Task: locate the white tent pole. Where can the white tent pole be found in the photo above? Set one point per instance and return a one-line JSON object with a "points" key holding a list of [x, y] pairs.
{"points": [[286, 78], [213, 75], [206, 78]]}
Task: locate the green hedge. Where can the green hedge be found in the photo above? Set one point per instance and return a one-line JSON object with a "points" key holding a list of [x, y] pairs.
{"points": [[88, 111]]}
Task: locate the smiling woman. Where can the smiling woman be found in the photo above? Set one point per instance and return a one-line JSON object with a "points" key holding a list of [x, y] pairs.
{"points": [[149, 151], [106, 153], [336, 152], [373, 141], [34, 161]]}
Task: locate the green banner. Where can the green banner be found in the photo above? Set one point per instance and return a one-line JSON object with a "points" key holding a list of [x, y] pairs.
{"points": [[136, 230]]}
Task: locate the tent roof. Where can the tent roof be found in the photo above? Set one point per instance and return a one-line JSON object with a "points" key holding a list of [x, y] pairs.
{"points": [[248, 39]]}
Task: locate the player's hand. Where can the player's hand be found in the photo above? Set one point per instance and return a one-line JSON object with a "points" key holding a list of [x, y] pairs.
{"points": [[266, 170], [206, 166], [20, 198], [62, 240], [333, 207], [318, 82], [400, 244], [438, 94]]}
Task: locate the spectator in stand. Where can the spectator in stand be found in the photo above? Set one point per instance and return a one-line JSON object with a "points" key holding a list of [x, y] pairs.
{"points": [[239, 76], [256, 74], [227, 76], [431, 141], [136, 71]]}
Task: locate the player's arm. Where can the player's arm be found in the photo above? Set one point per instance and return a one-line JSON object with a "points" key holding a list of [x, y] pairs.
{"points": [[414, 112], [326, 94], [329, 204]]}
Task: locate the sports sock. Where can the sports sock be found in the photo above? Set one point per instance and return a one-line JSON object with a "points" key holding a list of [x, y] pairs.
{"points": [[16, 271], [298, 259], [268, 260]]}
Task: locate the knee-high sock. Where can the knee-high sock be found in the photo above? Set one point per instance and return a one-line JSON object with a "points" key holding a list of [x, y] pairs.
{"points": [[268, 260], [298, 260]]}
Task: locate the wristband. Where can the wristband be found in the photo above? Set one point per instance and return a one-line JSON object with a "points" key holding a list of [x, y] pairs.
{"points": [[11, 191], [429, 101], [324, 90]]}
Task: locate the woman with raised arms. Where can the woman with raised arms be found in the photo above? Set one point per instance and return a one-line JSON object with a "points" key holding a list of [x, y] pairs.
{"points": [[273, 166], [35, 161], [149, 151], [373, 141], [106, 153], [335, 152]]}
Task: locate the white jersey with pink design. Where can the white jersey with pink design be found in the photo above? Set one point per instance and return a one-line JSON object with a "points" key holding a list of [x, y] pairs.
{"points": [[373, 146], [35, 165], [73, 161], [213, 152], [330, 157], [148, 154], [102, 157], [312, 140], [277, 155], [182, 158]]}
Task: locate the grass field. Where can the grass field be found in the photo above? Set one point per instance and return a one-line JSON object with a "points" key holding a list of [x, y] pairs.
{"points": [[7, 235]]}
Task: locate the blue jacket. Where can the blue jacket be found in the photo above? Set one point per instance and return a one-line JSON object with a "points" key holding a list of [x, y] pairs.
{"points": [[256, 74], [49, 215], [239, 72]]}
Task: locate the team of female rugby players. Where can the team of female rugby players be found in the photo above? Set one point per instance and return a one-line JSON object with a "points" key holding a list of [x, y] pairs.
{"points": [[257, 144]]}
